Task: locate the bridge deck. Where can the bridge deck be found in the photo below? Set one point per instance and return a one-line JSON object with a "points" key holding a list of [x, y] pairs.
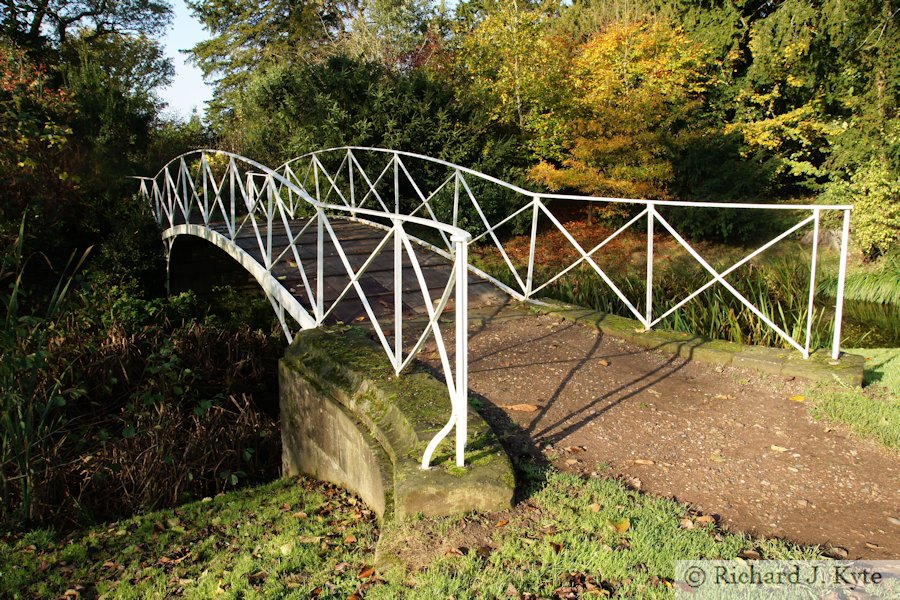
{"points": [[358, 242]]}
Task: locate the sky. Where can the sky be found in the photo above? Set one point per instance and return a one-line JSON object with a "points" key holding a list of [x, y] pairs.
{"points": [[187, 91]]}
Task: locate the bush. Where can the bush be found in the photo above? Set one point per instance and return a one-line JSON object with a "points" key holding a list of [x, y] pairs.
{"points": [[119, 404], [874, 191]]}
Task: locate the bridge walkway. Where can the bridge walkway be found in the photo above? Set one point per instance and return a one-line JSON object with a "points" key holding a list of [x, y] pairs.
{"points": [[358, 242]]}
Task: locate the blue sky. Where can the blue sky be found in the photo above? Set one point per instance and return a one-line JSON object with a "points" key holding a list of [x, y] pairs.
{"points": [[187, 90]]}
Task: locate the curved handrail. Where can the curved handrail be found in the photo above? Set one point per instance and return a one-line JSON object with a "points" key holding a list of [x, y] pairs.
{"points": [[553, 196], [178, 188], [456, 232]]}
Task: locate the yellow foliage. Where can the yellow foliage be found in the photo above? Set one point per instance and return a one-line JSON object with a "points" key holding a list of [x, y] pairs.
{"points": [[629, 83]]}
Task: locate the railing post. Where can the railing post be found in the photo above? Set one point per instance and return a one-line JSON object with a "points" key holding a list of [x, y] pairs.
{"points": [[270, 217], [461, 402], [648, 309], [812, 282], [398, 297], [396, 184], [203, 169], [456, 199], [320, 265], [842, 275], [352, 185], [529, 282]]}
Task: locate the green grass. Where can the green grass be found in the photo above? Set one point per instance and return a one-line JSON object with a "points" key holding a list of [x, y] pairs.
{"points": [[285, 538], [256, 543], [874, 411], [571, 531]]}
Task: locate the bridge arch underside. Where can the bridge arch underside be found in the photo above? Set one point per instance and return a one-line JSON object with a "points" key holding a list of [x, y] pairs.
{"points": [[282, 301]]}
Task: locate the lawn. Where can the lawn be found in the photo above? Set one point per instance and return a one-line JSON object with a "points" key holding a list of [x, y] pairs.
{"points": [[297, 538], [873, 411]]}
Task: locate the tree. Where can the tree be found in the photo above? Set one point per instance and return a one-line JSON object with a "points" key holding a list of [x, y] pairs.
{"points": [[517, 70], [249, 35], [635, 87], [36, 23]]}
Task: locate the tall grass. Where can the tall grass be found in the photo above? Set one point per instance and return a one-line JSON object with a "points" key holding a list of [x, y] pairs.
{"points": [[29, 394], [879, 285], [111, 404]]}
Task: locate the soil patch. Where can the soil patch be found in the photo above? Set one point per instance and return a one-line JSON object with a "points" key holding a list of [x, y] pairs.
{"points": [[731, 443]]}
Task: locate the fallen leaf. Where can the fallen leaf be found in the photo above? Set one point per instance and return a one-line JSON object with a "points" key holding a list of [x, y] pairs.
{"points": [[643, 461], [571, 461], [502, 523], [350, 539], [522, 407], [453, 552], [574, 449], [778, 448], [557, 547], [798, 398], [300, 515], [309, 539], [705, 520], [603, 362], [723, 397], [750, 555], [837, 552], [286, 548], [594, 507], [716, 457], [686, 523], [620, 526], [366, 572]]}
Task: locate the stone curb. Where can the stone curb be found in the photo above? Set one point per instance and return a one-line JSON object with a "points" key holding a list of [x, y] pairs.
{"points": [[819, 367]]}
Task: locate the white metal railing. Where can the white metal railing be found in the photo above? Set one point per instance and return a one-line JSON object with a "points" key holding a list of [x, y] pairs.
{"points": [[356, 186], [220, 196], [387, 189]]}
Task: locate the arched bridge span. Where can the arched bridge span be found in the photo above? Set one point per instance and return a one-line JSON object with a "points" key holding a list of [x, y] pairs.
{"points": [[383, 235]]}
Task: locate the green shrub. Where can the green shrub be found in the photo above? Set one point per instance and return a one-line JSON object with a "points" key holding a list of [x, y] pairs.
{"points": [[874, 192]]}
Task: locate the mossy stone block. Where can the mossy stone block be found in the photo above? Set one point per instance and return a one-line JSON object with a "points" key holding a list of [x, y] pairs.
{"points": [[347, 418]]}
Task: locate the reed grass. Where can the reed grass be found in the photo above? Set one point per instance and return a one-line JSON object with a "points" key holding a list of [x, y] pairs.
{"points": [[779, 289]]}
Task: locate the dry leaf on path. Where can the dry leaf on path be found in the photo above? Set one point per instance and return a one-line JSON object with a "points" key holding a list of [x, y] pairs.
{"points": [[522, 407]]}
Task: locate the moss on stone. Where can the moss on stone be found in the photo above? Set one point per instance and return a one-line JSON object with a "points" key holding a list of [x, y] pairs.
{"points": [[403, 413]]}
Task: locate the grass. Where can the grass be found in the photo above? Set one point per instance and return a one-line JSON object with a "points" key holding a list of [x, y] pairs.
{"points": [[872, 412], [288, 538], [593, 535], [297, 538]]}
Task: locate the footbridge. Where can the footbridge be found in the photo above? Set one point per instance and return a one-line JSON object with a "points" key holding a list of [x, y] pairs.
{"points": [[384, 236]]}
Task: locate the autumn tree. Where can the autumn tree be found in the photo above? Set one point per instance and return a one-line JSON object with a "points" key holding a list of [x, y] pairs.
{"points": [[634, 88]]}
